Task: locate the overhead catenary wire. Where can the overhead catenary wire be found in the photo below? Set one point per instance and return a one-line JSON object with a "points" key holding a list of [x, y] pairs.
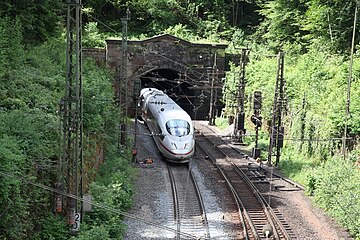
{"points": [[103, 206], [105, 25], [130, 131], [194, 82]]}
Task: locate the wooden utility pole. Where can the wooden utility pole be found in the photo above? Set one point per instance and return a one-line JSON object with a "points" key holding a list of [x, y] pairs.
{"points": [[276, 129]]}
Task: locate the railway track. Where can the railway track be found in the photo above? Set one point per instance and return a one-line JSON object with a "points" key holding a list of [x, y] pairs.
{"points": [[255, 210], [258, 173], [189, 213]]}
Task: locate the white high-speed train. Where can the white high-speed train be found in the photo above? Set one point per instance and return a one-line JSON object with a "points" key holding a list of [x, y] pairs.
{"points": [[170, 125]]}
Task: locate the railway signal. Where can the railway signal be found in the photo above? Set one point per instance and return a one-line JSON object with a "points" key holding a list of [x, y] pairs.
{"points": [[257, 120]]}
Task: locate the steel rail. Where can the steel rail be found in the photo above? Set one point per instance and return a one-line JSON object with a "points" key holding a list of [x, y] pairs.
{"points": [[269, 213], [202, 207], [176, 201], [295, 184], [271, 219], [241, 209]]}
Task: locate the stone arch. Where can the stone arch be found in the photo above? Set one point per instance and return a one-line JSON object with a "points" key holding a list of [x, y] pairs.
{"points": [[191, 63]]}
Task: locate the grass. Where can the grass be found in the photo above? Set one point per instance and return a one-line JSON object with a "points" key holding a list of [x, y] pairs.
{"points": [[221, 123]]}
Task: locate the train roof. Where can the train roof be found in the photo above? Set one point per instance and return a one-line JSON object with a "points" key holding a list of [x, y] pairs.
{"points": [[163, 106]]}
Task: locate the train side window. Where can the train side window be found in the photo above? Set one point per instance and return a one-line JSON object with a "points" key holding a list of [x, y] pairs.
{"points": [[177, 127]]}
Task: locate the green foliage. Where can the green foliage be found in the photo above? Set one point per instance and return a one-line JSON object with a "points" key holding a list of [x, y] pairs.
{"points": [[317, 76], [11, 50], [99, 110], [52, 228], [20, 86], [338, 190], [92, 38], [112, 188], [37, 133], [40, 19], [94, 232], [332, 23], [298, 167], [28, 129], [261, 77], [208, 19], [221, 123], [303, 23], [32, 82], [182, 32], [230, 91], [282, 22], [13, 204]]}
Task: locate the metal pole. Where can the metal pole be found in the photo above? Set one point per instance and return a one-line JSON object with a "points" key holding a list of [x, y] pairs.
{"points": [[239, 127], [280, 102], [257, 120], [72, 158], [123, 84], [212, 97], [276, 137]]}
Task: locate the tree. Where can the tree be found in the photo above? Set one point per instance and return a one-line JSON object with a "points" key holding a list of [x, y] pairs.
{"points": [[282, 22], [40, 19], [332, 22], [302, 22]]}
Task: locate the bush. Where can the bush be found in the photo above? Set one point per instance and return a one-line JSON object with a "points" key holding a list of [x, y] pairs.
{"points": [[52, 228], [337, 190], [113, 188]]}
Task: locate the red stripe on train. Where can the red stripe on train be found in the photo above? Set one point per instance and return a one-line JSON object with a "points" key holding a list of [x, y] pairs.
{"points": [[176, 154]]}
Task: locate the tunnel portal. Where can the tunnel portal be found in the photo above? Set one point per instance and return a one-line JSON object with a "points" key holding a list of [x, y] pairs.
{"points": [[169, 81], [189, 72]]}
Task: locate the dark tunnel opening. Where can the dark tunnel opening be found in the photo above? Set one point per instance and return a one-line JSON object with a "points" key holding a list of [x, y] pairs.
{"points": [[170, 82]]}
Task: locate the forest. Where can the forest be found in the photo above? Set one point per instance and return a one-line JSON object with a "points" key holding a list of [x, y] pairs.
{"points": [[322, 72]]}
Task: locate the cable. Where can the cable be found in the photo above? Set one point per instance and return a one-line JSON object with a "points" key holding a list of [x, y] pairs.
{"points": [[103, 24], [110, 209]]}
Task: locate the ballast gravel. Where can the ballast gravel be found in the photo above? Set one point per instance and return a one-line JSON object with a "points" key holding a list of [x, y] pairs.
{"points": [[152, 215]]}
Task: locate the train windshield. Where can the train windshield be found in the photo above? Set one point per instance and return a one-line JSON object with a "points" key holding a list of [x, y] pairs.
{"points": [[177, 127]]}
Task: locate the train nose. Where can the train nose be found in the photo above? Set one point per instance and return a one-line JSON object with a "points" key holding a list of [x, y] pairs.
{"points": [[178, 146]]}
